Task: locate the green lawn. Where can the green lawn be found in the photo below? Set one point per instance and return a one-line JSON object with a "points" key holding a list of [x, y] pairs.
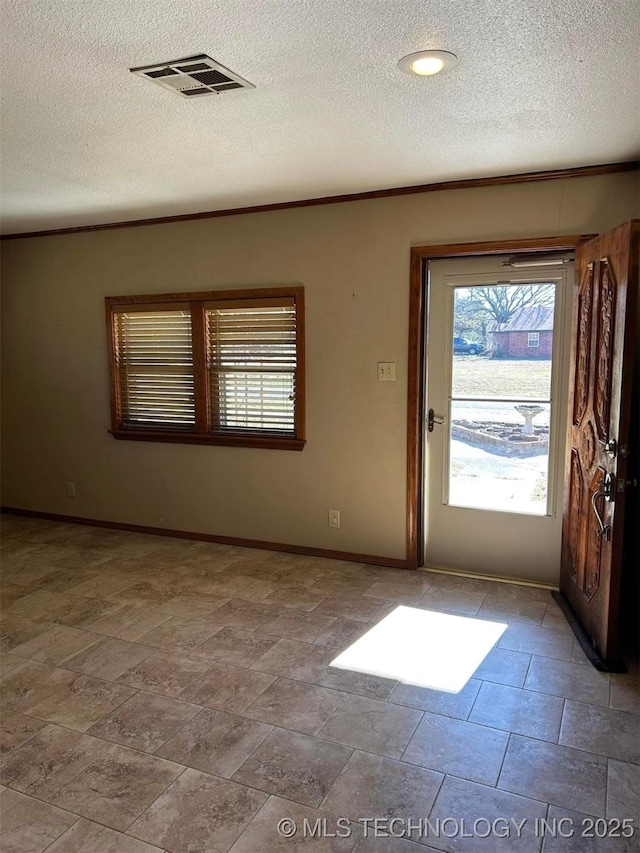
{"points": [[479, 376]]}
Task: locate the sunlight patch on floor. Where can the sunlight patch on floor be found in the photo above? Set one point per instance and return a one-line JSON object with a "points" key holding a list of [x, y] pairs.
{"points": [[424, 648]]}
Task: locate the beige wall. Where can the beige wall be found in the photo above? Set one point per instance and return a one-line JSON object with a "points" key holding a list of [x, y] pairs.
{"points": [[353, 260]]}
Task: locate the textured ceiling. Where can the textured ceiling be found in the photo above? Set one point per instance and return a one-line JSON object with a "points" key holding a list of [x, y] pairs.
{"points": [[541, 84]]}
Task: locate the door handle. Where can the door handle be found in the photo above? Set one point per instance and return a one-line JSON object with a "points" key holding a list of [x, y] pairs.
{"points": [[432, 419], [605, 491]]}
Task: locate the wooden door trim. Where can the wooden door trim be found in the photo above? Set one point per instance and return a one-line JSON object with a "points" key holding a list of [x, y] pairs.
{"points": [[420, 256]]}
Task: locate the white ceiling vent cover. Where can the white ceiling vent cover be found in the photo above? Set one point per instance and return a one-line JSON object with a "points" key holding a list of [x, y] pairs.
{"points": [[193, 76]]}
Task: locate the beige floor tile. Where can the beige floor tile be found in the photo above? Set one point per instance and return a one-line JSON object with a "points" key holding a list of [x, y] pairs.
{"points": [[623, 791], [397, 592], [334, 583], [360, 683], [375, 844], [61, 579], [472, 802], [302, 597], [372, 726], [457, 748], [535, 593], [145, 721], [235, 646], [345, 606], [535, 640], [108, 658], [615, 734], [146, 594], [186, 554], [215, 742], [117, 787], [295, 705], [198, 812], [452, 600], [219, 606], [16, 571], [262, 833], [512, 610], [15, 729], [442, 580], [373, 786], [105, 584], [295, 625], [244, 614], [9, 662], [16, 630], [575, 833], [12, 592], [226, 687], [48, 760], [497, 589], [85, 836], [239, 586], [341, 634], [80, 704], [129, 622], [570, 680], [292, 659], [192, 606], [29, 826], [38, 604], [437, 701], [179, 635], [30, 683], [569, 778], [504, 667], [625, 694], [523, 712], [56, 645], [578, 655], [164, 672], [294, 766], [555, 618], [82, 612]]}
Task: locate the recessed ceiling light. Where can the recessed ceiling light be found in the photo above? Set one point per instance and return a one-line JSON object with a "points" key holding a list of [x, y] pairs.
{"points": [[424, 63]]}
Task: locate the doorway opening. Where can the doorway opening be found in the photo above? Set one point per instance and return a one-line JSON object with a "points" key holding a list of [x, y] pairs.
{"points": [[494, 438], [485, 403]]}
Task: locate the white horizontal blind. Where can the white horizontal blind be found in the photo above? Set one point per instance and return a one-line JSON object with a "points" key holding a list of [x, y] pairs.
{"points": [[252, 368], [155, 364]]}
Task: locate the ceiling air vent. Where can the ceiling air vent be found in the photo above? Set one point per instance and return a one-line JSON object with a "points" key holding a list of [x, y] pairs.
{"points": [[194, 75]]}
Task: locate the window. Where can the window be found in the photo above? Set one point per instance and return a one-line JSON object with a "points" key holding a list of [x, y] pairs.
{"points": [[222, 367], [533, 339]]}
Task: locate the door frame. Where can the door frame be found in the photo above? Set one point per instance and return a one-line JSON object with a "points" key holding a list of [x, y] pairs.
{"points": [[418, 307]]}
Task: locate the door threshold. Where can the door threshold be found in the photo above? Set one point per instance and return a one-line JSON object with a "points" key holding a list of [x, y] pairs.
{"points": [[479, 576]]}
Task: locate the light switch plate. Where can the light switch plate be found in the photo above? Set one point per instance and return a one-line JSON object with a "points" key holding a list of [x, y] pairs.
{"points": [[386, 371]]}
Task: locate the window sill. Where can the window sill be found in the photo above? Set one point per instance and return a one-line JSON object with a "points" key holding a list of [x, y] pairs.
{"points": [[264, 442]]}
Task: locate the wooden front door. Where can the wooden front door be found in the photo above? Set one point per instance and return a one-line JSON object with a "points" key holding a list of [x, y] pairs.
{"points": [[598, 434]]}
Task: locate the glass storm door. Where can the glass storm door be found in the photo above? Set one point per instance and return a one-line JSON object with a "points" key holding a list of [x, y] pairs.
{"points": [[497, 358]]}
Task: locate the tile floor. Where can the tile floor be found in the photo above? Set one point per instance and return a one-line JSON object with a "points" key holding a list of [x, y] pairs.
{"points": [[162, 694]]}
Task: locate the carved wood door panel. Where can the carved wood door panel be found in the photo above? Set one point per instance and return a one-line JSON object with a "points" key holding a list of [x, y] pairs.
{"points": [[602, 363]]}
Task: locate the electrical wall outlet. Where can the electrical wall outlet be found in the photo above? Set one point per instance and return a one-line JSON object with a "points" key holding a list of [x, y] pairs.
{"points": [[71, 490], [334, 518], [386, 371]]}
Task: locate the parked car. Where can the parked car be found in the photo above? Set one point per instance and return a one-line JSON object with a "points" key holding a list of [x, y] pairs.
{"points": [[461, 346]]}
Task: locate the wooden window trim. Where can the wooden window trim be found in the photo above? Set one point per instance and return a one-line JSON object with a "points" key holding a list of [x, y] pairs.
{"points": [[197, 303]]}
